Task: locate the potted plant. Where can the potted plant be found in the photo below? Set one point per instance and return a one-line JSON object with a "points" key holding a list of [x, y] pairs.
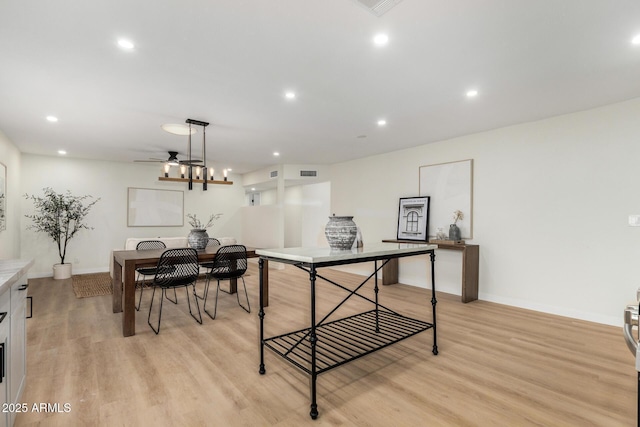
{"points": [[60, 216], [198, 237]]}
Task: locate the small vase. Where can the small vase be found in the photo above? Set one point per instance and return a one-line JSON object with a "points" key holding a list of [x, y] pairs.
{"points": [[341, 232], [198, 239], [454, 232]]}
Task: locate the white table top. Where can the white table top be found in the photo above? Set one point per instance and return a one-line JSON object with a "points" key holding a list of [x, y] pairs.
{"points": [[321, 255]]}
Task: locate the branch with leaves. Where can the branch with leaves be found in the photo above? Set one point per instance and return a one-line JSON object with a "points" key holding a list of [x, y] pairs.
{"points": [[60, 216], [457, 216], [199, 225]]}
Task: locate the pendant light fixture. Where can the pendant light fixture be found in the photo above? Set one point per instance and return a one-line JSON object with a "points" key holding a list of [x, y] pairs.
{"points": [[203, 174]]}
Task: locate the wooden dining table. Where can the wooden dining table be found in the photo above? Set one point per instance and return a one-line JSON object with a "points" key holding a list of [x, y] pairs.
{"points": [[124, 287]]}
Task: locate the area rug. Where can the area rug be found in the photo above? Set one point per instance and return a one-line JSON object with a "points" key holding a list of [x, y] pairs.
{"points": [[91, 285]]}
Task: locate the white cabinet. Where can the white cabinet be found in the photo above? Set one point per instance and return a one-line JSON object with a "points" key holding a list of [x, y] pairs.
{"points": [[13, 336], [18, 343], [4, 353]]}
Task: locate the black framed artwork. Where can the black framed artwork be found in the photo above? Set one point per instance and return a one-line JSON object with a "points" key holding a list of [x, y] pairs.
{"points": [[413, 218]]}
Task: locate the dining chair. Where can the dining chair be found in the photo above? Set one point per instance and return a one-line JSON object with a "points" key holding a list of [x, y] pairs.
{"points": [[177, 268], [146, 272], [209, 264], [230, 263], [212, 242]]}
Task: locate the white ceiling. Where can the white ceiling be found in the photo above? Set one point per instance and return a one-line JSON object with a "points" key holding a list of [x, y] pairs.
{"points": [[229, 62]]}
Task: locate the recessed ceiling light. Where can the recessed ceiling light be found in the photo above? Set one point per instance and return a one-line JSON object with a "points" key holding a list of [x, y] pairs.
{"points": [[275, 153], [382, 122], [361, 136], [290, 95], [472, 93], [62, 152], [177, 129], [636, 39], [381, 39], [52, 119], [125, 44]]}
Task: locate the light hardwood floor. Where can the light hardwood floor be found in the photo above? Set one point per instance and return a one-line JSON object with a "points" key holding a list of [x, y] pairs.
{"points": [[497, 366]]}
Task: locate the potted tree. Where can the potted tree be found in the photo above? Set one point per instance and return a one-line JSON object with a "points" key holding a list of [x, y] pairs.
{"points": [[60, 216]]}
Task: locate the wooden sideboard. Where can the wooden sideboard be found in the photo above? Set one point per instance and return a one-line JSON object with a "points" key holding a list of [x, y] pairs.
{"points": [[470, 266]]}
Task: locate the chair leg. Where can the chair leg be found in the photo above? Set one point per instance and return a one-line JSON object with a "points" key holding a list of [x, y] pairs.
{"points": [[162, 294], [144, 282], [206, 294], [205, 287], [195, 297], [175, 296], [248, 307], [215, 306], [227, 292]]}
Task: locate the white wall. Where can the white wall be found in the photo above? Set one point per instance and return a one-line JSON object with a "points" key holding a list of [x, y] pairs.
{"points": [[306, 214], [305, 210], [551, 203], [10, 237], [261, 226], [316, 199], [293, 200], [89, 250]]}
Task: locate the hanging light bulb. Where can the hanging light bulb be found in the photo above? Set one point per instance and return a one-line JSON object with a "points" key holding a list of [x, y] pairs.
{"points": [[197, 172], [183, 169], [167, 167], [211, 173]]}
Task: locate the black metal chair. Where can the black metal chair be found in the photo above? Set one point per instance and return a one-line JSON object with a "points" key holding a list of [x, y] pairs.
{"points": [[209, 264], [212, 242], [177, 268], [144, 272], [230, 263]]}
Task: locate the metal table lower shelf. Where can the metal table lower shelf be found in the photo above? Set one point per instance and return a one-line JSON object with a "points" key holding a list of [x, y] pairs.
{"points": [[344, 340], [327, 344]]}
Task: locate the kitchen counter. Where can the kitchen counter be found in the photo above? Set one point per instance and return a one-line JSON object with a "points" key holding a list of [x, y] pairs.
{"points": [[11, 270]]}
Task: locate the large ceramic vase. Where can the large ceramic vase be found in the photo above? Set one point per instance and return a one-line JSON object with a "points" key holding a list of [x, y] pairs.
{"points": [[341, 232], [198, 239], [62, 271]]}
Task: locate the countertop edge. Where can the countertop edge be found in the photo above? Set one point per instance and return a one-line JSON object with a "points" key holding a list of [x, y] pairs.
{"points": [[16, 268]]}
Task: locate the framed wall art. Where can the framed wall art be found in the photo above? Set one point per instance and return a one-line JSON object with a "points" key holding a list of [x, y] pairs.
{"points": [[450, 186], [147, 207], [413, 218]]}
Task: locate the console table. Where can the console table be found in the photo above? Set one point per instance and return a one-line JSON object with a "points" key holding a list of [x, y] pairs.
{"points": [[470, 266], [327, 344]]}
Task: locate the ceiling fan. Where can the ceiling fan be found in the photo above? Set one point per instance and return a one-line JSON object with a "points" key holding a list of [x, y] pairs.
{"points": [[172, 160]]}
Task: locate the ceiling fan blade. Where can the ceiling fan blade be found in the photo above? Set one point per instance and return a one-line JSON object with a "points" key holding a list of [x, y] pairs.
{"points": [[149, 161]]}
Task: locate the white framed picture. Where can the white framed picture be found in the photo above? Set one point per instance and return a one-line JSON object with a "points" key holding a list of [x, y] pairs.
{"points": [[148, 207], [450, 186]]}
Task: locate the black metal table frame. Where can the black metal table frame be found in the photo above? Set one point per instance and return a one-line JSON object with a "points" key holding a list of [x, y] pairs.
{"points": [[345, 339]]}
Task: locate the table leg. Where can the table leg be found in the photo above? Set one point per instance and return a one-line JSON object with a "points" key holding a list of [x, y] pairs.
{"points": [[261, 266], [434, 301], [470, 267], [264, 280], [129, 315], [116, 284], [390, 272], [233, 285], [313, 339]]}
